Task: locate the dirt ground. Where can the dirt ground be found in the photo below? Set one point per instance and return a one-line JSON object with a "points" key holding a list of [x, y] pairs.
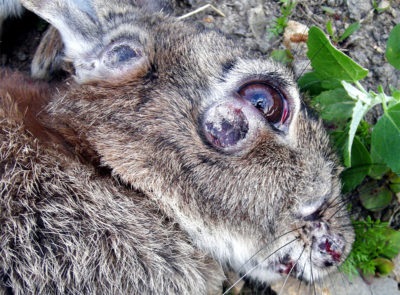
{"points": [[248, 22]]}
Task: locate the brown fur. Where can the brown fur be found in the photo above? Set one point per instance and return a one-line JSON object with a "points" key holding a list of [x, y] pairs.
{"points": [[168, 199], [50, 201]]}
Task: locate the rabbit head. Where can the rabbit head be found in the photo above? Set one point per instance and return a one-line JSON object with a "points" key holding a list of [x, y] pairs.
{"points": [[220, 141]]}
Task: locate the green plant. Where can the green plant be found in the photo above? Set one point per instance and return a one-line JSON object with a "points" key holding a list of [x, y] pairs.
{"points": [[343, 102], [369, 152], [375, 245], [287, 7], [378, 8], [393, 48], [283, 56], [336, 38]]}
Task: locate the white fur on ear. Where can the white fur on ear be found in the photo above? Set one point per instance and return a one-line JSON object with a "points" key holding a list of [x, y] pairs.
{"points": [[98, 50], [9, 8], [76, 21]]}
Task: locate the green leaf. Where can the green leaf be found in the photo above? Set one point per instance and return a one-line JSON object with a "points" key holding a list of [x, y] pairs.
{"points": [[395, 187], [377, 170], [385, 141], [394, 178], [396, 94], [393, 47], [352, 177], [328, 10], [360, 167], [374, 240], [331, 83], [310, 83], [392, 247], [334, 105], [375, 198], [383, 266], [350, 30], [359, 112], [359, 154], [329, 28], [282, 56], [328, 62]]}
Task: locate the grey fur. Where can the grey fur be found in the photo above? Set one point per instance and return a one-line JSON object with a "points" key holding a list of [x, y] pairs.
{"points": [[9, 8], [137, 201]]}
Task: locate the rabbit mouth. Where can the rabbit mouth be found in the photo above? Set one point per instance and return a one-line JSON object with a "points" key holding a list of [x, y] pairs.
{"points": [[303, 268], [286, 266], [307, 257], [325, 253]]}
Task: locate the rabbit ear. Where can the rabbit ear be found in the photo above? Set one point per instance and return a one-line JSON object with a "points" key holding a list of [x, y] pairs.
{"points": [[165, 6], [76, 20], [98, 51]]}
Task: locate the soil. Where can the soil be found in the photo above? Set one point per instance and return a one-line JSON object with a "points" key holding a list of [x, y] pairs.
{"points": [[249, 23]]}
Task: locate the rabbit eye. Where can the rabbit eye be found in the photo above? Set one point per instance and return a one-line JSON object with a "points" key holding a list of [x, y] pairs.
{"points": [[268, 100], [121, 54]]}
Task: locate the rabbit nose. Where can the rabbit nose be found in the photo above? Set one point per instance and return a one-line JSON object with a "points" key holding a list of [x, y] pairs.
{"points": [[329, 247]]}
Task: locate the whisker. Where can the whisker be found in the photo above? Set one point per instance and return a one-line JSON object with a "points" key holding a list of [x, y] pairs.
{"points": [[254, 267], [344, 215], [341, 201], [336, 212], [288, 275], [301, 276], [342, 276], [347, 200], [331, 281], [329, 205], [308, 63], [336, 203], [263, 248], [310, 20], [312, 275]]}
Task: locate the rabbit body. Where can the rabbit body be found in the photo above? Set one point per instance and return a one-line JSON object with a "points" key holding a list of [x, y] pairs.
{"points": [[66, 229], [159, 164]]}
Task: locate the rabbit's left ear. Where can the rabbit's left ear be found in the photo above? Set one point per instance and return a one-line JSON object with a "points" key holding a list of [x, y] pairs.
{"points": [[98, 51], [152, 6]]}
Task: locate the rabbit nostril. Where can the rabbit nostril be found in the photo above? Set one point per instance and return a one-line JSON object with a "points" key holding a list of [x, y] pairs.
{"points": [[313, 216], [329, 247]]}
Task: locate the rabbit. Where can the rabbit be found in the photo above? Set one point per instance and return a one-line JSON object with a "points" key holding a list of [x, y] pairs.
{"points": [[167, 159]]}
